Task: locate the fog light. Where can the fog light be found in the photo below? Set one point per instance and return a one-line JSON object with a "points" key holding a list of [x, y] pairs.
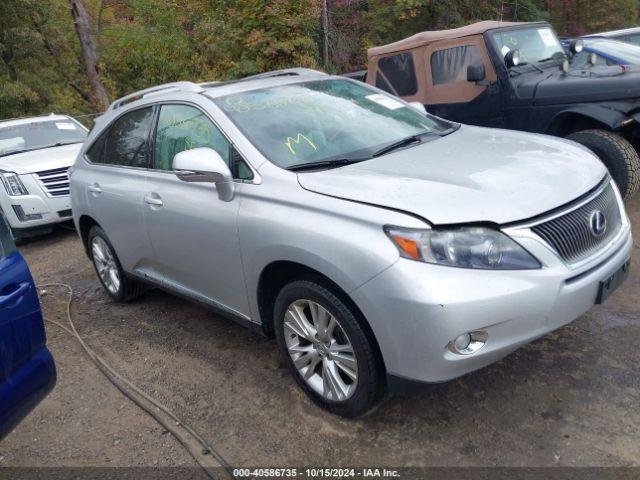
{"points": [[468, 343], [462, 342], [25, 217]]}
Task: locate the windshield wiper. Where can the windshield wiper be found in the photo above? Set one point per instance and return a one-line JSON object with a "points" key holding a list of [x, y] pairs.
{"points": [[337, 162], [403, 142]]}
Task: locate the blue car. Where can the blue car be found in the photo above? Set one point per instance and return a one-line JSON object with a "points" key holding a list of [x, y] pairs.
{"points": [[605, 51], [629, 35], [27, 370]]}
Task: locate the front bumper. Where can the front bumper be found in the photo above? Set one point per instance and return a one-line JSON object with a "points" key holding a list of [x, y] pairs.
{"points": [[416, 309], [50, 209]]}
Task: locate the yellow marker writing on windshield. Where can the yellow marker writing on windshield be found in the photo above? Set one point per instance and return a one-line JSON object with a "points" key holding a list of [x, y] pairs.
{"points": [[297, 141]]}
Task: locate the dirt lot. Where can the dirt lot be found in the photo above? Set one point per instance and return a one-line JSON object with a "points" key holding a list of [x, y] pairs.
{"points": [[570, 398]]}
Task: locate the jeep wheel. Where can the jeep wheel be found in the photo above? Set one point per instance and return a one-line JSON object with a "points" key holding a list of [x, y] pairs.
{"points": [[617, 154]]}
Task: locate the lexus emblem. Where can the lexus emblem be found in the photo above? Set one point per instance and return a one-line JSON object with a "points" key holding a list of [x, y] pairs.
{"points": [[598, 223]]}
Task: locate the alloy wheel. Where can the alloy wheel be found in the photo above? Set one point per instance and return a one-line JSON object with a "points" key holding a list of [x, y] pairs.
{"points": [[105, 263], [321, 350]]}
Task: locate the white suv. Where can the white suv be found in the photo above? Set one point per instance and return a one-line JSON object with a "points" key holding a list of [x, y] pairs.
{"points": [[35, 154]]}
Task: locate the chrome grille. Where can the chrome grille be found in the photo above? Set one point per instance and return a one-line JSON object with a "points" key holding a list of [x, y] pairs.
{"points": [[571, 234], [55, 182]]}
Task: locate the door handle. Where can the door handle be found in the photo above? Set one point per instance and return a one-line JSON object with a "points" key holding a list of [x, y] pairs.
{"points": [[95, 188], [153, 199], [15, 295]]}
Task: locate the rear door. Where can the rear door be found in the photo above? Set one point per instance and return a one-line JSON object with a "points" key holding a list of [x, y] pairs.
{"points": [[116, 180], [27, 372]]}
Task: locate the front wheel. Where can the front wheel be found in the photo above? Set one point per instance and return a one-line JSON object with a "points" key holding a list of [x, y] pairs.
{"points": [[326, 349], [617, 154]]}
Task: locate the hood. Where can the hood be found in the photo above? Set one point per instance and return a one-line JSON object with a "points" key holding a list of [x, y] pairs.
{"points": [[473, 175], [594, 85], [39, 160]]}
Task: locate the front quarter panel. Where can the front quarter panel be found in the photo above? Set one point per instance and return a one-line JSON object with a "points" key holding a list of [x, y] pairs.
{"points": [[343, 240]]}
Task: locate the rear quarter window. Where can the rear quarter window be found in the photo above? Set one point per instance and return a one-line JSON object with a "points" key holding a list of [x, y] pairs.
{"points": [[400, 71], [127, 143]]}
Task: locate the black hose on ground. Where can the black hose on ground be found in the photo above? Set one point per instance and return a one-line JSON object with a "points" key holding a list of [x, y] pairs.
{"points": [[206, 456]]}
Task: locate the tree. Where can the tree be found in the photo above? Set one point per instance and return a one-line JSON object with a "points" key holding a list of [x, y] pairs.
{"points": [[90, 54]]}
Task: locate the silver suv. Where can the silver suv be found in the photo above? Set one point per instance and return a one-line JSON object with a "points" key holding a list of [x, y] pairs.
{"points": [[374, 241]]}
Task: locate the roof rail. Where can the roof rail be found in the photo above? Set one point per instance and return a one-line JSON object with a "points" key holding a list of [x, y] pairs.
{"points": [[157, 90], [285, 72]]}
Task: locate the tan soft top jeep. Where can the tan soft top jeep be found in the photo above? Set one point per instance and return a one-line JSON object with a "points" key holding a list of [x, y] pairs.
{"points": [[518, 76]]}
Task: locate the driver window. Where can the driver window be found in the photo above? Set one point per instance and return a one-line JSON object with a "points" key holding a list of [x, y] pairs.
{"points": [[182, 127], [450, 65]]}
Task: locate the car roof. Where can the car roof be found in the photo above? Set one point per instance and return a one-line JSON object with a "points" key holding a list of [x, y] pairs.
{"points": [[427, 37], [614, 33], [12, 122]]}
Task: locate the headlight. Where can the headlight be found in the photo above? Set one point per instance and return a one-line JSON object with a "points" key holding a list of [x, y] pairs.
{"points": [[12, 184], [473, 247]]}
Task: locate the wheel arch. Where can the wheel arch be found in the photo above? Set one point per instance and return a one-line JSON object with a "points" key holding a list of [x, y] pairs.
{"points": [[85, 223], [586, 117], [277, 274]]}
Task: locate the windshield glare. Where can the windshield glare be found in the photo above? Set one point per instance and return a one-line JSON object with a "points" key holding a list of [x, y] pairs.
{"points": [[323, 120], [36, 135], [534, 44]]}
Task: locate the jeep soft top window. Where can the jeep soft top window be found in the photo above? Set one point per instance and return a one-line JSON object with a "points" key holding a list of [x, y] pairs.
{"points": [[400, 71], [450, 64], [323, 120], [535, 44], [37, 135]]}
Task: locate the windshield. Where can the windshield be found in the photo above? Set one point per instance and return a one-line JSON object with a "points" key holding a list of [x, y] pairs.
{"points": [[323, 120], [37, 135], [624, 53], [534, 44]]}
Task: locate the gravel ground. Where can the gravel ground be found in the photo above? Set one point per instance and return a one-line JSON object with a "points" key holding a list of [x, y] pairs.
{"points": [[570, 398]]}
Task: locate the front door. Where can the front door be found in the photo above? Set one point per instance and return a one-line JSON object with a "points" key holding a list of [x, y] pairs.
{"points": [[193, 233]]}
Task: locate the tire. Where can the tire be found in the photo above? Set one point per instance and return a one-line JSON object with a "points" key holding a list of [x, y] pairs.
{"points": [[126, 288], [333, 354], [617, 154]]}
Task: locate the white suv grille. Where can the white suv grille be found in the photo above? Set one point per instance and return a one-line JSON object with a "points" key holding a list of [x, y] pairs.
{"points": [[55, 182]]}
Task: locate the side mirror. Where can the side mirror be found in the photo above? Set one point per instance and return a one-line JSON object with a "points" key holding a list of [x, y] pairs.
{"points": [[476, 72], [205, 165], [419, 107], [512, 58]]}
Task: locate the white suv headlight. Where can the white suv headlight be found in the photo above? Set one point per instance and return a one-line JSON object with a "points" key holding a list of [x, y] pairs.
{"points": [[465, 247], [12, 184]]}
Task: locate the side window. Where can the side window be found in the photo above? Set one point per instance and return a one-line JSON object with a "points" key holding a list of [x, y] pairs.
{"points": [[401, 73], [382, 84], [128, 139], [7, 246], [450, 65], [96, 152], [180, 128]]}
